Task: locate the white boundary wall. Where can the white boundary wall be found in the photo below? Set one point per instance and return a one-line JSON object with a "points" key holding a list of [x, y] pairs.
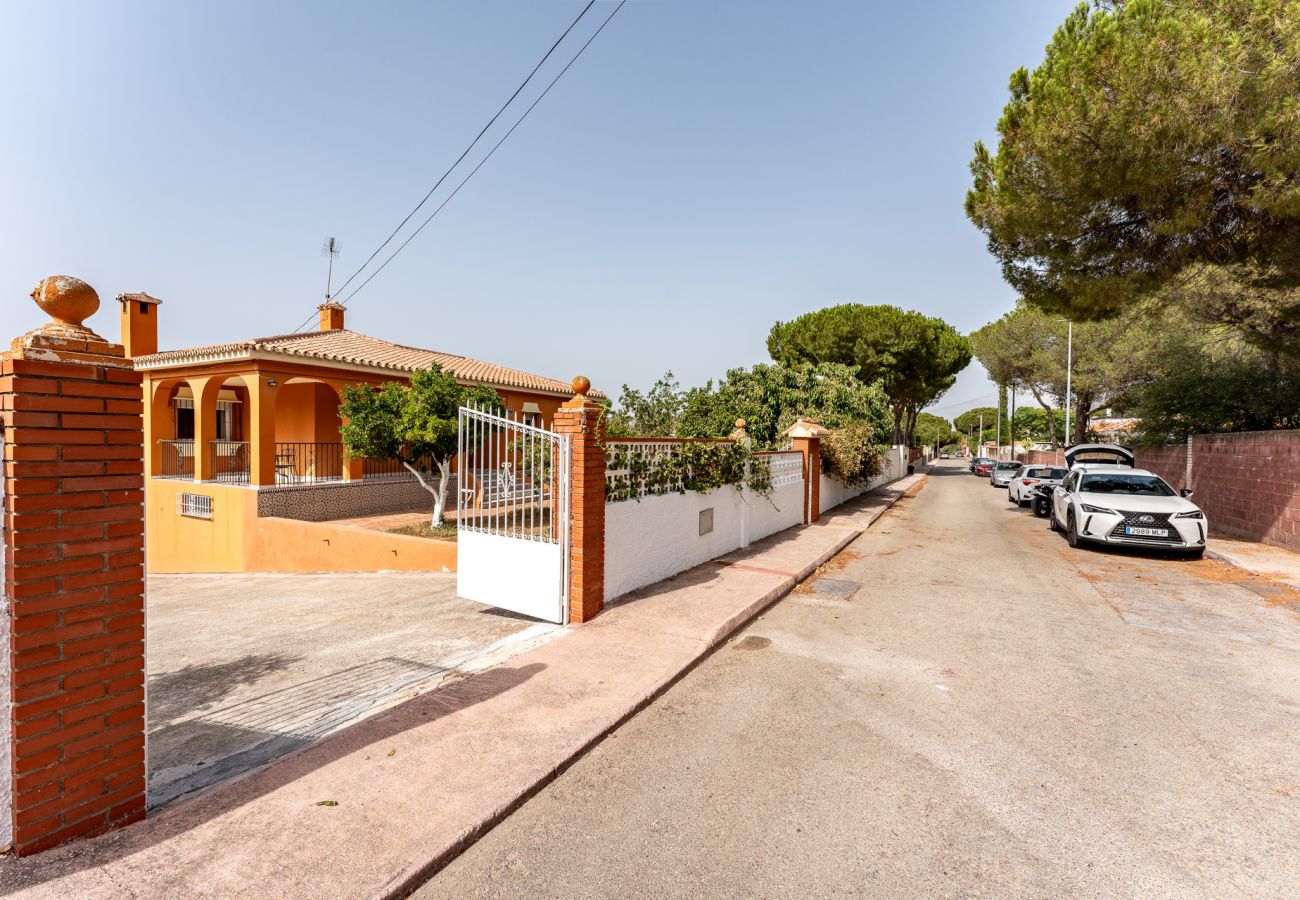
{"points": [[831, 493], [654, 538]]}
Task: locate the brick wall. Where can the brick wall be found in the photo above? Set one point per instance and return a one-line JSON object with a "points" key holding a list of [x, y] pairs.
{"points": [[1170, 463], [74, 579], [1249, 485]]}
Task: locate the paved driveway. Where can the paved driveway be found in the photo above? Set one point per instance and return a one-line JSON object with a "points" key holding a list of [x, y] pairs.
{"points": [[247, 668], [966, 707]]}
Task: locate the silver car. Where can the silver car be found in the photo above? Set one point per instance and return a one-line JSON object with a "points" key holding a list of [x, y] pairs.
{"points": [[1004, 471]]}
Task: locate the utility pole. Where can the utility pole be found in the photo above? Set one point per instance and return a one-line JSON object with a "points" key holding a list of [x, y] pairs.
{"points": [[981, 453], [1011, 422], [1002, 395], [1069, 366]]}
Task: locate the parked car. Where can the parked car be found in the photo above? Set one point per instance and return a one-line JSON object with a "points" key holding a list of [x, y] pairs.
{"points": [[944, 456], [1002, 472], [982, 466], [1021, 488], [1112, 504]]}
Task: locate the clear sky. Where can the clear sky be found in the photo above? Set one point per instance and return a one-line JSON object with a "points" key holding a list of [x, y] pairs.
{"points": [[705, 169]]}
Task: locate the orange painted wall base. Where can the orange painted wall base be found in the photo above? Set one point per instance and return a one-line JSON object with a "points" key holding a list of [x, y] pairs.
{"points": [[235, 539]]}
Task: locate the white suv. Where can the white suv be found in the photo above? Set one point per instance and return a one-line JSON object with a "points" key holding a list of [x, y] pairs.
{"points": [[1120, 505]]}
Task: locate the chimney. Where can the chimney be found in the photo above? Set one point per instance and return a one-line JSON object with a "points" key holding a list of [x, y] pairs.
{"points": [[331, 316], [139, 324]]}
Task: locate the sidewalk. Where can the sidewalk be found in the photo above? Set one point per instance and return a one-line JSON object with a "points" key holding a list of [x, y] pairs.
{"points": [[413, 786], [1259, 559]]}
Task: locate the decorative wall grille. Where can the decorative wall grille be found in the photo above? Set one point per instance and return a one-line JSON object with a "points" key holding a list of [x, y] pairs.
{"points": [[196, 506], [634, 469], [786, 466]]}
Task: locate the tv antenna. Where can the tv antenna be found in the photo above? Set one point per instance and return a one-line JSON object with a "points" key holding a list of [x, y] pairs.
{"points": [[330, 249]]}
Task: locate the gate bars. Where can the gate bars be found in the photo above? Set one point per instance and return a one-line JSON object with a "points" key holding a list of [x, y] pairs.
{"points": [[512, 478]]}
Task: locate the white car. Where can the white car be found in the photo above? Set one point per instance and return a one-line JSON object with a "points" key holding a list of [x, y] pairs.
{"points": [[1021, 488], [1120, 505]]}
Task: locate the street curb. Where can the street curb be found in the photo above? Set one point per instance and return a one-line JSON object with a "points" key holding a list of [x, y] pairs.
{"points": [[405, 885], [1257, 571]]}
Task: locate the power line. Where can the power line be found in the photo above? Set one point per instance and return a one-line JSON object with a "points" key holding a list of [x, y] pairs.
{"points": [[963, 402], [487, 157], [463, 154]]}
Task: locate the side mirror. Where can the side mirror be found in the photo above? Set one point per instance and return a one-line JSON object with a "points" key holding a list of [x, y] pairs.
{"points": [[1185, 493]]}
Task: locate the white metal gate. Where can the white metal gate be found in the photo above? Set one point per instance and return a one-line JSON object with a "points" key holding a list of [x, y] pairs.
{"points": [[512, 518]]}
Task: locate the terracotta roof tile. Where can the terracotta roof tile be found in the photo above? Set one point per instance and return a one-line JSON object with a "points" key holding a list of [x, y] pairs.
{"points": [[345, 346]]}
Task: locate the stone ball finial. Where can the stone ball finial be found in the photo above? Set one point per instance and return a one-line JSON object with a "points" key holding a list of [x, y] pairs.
{"points": [[740, 424], [67, 300], [581, 385]]}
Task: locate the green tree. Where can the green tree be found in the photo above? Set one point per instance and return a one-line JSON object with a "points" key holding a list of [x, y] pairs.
{"points": [[915, 358], [1157, 138], [771, 397], [970, 419], [655, 413], [1206, 380], [415, 424], [931, 429], [1019, 349]]}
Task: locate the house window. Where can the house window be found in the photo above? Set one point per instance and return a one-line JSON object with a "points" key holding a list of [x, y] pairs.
{"points": [[228, 420], [531, 414]]}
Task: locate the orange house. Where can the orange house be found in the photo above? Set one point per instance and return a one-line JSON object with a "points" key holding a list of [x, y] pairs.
{"points": [[244, 464]]}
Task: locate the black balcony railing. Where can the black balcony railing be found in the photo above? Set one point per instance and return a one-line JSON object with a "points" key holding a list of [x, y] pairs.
{"points": [[229, 461], [307, 463], [176, 459]]}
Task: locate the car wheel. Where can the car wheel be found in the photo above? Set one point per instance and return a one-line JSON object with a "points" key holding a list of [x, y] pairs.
{"points": [[1051, 517], [1071, 532], [1011, 498]]}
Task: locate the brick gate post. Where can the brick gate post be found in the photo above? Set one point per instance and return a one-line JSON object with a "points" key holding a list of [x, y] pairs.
{"points": [[582, 419], [72, 624], [806, 437]]}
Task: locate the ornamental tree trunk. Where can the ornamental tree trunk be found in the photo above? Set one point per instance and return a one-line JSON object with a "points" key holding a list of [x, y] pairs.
{"points": [[438, 491], [1051, 419]]}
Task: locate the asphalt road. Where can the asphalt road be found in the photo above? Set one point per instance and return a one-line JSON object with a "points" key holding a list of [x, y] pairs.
{"points": [[990, 714]]}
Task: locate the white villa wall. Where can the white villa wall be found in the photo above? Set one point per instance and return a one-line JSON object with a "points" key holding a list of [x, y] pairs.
{"points": [[654, 538], [831, 493]]}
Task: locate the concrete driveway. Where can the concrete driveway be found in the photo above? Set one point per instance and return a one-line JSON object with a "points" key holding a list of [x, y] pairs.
{"points": [[246, 668], [963, 706]]}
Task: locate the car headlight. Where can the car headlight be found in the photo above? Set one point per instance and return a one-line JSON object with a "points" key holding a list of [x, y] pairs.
{"points": [[1194, 514], [1089, 508]]}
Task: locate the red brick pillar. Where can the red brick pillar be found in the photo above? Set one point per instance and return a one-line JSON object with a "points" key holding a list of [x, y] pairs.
{"points": [[582, 419], [806, 437], [71, 407]]}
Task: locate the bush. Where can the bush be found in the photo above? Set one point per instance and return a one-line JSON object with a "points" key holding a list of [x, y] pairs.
{"points": [[850, 454]]}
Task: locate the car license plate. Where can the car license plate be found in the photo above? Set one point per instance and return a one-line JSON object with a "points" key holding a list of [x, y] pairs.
{"points": [[1146, 532]]}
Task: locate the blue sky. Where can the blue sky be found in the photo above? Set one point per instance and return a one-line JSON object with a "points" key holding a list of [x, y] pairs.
{"points": [[704, 170]]}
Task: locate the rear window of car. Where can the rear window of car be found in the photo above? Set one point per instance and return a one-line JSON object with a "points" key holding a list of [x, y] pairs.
{"points": [[1008, 466], [1123, 483], [1050, 474]]}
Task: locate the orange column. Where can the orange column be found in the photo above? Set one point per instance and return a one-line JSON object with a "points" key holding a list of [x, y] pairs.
{"points": [[205, 392], [806, 437], [581, 418], [811, 448], [261, 428]]}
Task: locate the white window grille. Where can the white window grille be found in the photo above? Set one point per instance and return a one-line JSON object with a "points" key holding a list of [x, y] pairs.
{"points": [[196, 506]]}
